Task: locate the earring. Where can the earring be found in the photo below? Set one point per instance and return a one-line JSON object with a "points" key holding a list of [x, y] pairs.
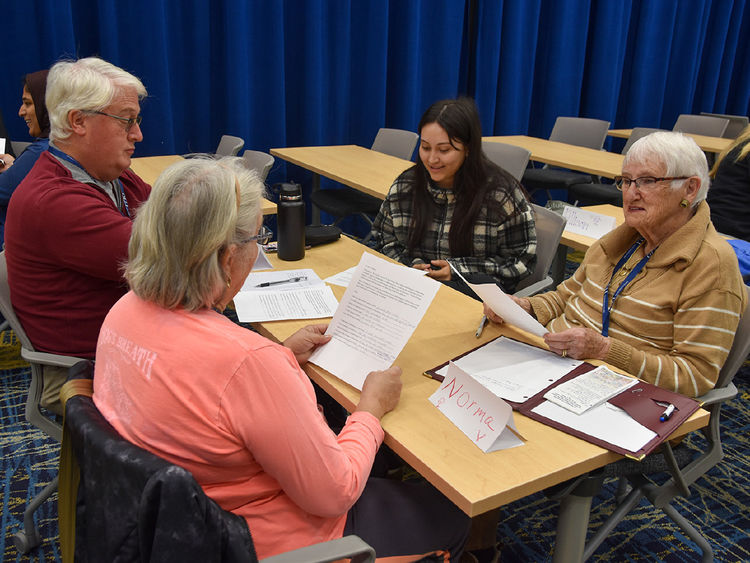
{"points": [[684, 203], [229, 281]]}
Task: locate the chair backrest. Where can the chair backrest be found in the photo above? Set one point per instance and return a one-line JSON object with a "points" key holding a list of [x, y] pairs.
{"points": [[134, 504], [637, 133], [395, 142], [260, 161], [19, 146], [740, 348], [549, 229], [580, 131], [229, 146], [6, 307], [736, 124], [511, 158], [701, 125]]}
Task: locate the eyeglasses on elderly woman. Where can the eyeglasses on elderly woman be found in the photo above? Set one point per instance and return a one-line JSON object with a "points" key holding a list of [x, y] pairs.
{"points": [[263, 236], [644, 182]]}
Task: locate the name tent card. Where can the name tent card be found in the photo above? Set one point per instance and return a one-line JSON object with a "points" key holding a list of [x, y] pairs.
{"points": [[484, 417], [587, 223]]}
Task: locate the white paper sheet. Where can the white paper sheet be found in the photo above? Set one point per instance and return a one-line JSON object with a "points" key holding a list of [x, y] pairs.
{"points": [[503, 305], [486, 419], [261, 262], [606, 422], [513, 370], [255, 279], [587, 223], [382, 306], [2, 145], [589, 389], [342, 278], [307, 303]]}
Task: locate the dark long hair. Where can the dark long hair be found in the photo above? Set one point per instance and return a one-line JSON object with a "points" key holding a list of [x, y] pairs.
{"points": [[473, 183]]}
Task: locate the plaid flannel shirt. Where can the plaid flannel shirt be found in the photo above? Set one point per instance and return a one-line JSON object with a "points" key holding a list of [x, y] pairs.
{"points": [[505, 250]]}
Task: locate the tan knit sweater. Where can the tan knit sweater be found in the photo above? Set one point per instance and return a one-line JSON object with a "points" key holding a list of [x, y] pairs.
{"points": [[674, 323]]}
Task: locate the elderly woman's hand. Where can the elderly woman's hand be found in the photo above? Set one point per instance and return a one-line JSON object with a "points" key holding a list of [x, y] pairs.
{"points": [[303, 342], [381, 391], [522, 302], [578, 343]]}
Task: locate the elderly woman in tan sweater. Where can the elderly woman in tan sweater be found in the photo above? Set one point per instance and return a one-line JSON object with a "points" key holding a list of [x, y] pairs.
{"points": [[660, 296]]}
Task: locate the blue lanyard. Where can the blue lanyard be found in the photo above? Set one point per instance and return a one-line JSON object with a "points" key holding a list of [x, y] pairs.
{"points": [[606, 306], [57, 152]]}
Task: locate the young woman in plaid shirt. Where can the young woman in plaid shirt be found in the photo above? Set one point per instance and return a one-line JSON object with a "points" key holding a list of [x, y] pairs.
{"points": [[456, 206]]}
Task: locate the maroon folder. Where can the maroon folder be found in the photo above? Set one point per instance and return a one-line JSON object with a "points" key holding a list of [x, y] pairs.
{"points": [[644, 402]]}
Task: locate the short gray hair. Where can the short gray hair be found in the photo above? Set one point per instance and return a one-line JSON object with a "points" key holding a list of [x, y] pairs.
{"points": [[89, 84], [196, 209], [678, 153]]}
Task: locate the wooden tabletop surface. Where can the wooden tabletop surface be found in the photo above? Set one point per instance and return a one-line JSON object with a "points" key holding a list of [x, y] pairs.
{"points": [[476, 482], [149, 168], [710, 144], [368, 171]]}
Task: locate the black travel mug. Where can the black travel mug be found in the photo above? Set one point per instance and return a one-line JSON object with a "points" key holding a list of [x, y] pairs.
{"points": [[291, 222]]}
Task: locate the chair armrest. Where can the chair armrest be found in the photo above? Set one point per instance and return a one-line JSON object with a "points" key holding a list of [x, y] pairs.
{"points": [[49, 359], [544, 284], [349, 547], [718, 395]]}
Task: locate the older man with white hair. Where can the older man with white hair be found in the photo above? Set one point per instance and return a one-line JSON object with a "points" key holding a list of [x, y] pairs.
{"points": [[69, 221]]}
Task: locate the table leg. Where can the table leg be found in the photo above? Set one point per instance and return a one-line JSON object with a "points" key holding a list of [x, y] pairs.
{"points": [[315, 209]]}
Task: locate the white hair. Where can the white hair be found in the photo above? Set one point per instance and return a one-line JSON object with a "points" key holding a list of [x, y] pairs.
{"points": [[197, 208], [678, 153], [89, 84]]}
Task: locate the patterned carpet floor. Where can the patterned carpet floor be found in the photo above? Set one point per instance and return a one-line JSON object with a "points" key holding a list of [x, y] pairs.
{"points": [[719, 505]]}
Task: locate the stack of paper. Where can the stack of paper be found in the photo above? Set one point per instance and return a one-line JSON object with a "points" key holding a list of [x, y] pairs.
{"points": [[284, 294]]}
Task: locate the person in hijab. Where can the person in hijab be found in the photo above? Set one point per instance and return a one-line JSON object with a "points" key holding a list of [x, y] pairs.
{"points": [[34, 112]]}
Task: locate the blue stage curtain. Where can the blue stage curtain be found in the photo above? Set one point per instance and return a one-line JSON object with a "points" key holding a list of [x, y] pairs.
{"points": [[303, 72]]}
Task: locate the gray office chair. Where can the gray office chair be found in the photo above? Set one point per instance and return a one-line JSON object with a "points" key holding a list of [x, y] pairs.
{"points": [[19, 147], [259, 161], [99, 522], [701, 125], [601, 193], [228, 146], [579, 131], [28, 538], [681, 463], [736, 123], [511, 158], [342, 203], [549, 229]]}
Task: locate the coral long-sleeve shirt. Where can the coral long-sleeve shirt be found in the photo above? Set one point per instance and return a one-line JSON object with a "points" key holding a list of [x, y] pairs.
{"points": [[236, 410]]}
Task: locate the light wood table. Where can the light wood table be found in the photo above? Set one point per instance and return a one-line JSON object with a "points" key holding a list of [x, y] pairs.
{"points": [[476, 482], [708, 144], [368, 171], [149, 168], [599, 163]]}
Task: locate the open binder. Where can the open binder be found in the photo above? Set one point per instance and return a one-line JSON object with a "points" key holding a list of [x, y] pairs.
{"points": [[643, 402]]}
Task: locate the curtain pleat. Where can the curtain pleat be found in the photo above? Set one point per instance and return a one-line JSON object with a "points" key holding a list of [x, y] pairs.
{"points": [[306, 72]]}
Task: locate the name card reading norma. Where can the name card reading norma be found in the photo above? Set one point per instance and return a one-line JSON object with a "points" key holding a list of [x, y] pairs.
{"points": [[484, 417], [587, 223]]}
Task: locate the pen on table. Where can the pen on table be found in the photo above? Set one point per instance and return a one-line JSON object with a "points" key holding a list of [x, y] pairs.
{"points": [[290, 280], [480, 328], [667, 413]]}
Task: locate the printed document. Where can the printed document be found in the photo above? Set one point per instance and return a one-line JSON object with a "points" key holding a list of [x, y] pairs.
{"points": [[284, 294], [590, 389], [513, 370], [503, 305], [587, 223], [382, 306]]}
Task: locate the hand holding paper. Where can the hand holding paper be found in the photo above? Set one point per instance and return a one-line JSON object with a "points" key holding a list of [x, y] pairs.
{"points": [[502, 305]]}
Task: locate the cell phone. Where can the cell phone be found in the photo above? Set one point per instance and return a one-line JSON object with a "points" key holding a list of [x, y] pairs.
{"points": [[434, 267]]}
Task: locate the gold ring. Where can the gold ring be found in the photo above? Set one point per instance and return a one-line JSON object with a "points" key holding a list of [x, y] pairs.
{"points": [[564, 353]]}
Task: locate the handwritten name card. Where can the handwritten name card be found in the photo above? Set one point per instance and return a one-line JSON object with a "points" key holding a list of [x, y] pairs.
{"points": [[587, 223], [484, 417]]}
